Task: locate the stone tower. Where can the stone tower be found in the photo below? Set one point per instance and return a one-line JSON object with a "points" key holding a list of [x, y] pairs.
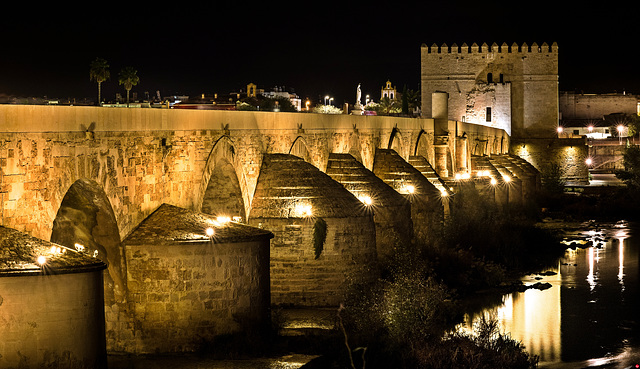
{"points": [[510, 87]]}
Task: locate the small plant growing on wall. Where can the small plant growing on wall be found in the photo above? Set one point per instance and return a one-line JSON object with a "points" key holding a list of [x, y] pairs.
{"points": [[319, 236]]}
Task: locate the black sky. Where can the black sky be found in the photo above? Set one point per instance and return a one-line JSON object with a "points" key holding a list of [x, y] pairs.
{"points": [[316, 49]]}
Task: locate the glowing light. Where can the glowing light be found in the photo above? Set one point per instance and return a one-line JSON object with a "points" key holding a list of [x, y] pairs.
{"points": [[444, 193], [410, 189], [365, 200], [223, 219], [494, 181], [559, 129], [41, 260], [506, 178], [588, 161], [237, 219], [591, 278], [590, 128], [303, 210], [458, 176], [620, 128], [209, 232], [79, 247], [95, 253], [621, 263]]}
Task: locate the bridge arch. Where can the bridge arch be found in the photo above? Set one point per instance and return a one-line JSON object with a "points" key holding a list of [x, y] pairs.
{"points": [[395, 142], [424, 146], [299, 148], [86, 221], [223, 190], [355, 147]]}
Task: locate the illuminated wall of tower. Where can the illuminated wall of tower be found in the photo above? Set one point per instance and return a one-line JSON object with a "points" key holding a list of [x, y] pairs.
{"points": [[510, 87]]}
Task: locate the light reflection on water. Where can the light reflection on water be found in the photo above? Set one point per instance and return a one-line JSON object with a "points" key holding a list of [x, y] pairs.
{"points": [[590, 316]]}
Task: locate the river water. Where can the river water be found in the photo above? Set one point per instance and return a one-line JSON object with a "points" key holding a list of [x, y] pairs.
{"points": [[590, 316]]}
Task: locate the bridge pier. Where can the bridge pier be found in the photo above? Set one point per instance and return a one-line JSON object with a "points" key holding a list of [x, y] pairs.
{"points": [[391, 211], [427, 209], [324, 238]]}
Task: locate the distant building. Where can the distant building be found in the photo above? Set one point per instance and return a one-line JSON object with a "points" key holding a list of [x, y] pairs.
{"points": [[389, 91], [276, 92], [594, 115]]}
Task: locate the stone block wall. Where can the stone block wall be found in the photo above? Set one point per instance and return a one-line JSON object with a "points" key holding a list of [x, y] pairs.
{"points": [[299, 278], [52, 321], [182, 296], [595, 106], [569, 154]]}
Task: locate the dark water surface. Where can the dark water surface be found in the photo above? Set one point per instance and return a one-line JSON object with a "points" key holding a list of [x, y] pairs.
{"points": [[590, 316]]}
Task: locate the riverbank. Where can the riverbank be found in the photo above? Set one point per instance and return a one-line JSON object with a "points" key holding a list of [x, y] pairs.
{"points": [[400, 320]]}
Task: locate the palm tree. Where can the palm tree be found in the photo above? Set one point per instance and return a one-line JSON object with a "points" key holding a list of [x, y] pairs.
{"points": [[99, 72], [413, 100], [129, 78]]}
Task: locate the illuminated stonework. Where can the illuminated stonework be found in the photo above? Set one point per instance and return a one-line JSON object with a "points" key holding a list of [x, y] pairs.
{"points": [[47, 290]]}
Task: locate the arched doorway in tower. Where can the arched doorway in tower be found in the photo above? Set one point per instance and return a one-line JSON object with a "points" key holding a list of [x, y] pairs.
{"points": [[223, 193], [86, 222]]}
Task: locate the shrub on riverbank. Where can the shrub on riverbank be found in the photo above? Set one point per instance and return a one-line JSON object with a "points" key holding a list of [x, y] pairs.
{"points": [[403, 318]]}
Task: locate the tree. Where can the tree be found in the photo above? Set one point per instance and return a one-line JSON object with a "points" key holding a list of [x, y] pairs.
{"points": [[128, 77], [326, 109], [99, 72], [385, 107], [413, 99], [631, 173]]}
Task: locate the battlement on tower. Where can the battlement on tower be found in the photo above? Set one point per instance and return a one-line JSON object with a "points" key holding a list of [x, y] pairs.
{"points": [[514, 48]]}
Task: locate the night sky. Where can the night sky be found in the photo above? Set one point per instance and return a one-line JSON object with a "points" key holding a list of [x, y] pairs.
{"points": [[315, 49]]}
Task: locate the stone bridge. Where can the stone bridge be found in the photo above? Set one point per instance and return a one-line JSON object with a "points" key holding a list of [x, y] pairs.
{"points": [[92, 175], [141, 158]]}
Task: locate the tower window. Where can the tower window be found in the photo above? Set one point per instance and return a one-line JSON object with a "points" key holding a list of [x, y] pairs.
{"points": [[488, 116], [489, 77]]}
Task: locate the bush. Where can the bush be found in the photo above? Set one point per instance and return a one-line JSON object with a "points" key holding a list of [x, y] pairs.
{"points": [[486, 347], [403, 317]]}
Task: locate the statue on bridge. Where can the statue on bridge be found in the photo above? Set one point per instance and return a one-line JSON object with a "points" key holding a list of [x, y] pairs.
{"points": [[358, 108]]}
